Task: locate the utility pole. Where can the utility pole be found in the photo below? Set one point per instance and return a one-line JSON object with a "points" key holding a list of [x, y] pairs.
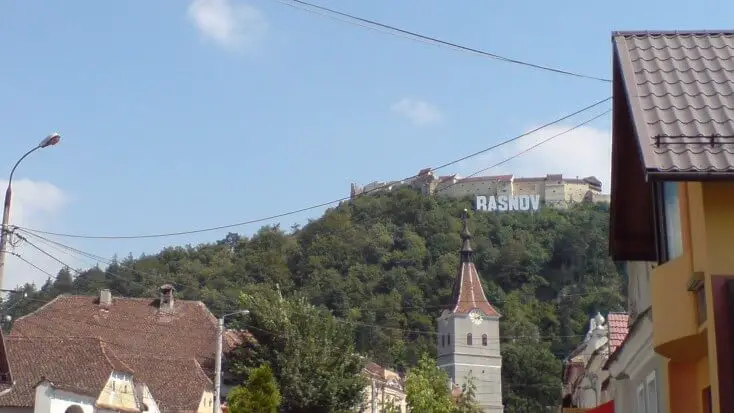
{"points": [[50, 140], [217, 405], [374, 397]]}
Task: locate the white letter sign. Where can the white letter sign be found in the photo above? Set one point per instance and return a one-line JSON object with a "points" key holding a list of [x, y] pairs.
{"points": [[507, 203]]}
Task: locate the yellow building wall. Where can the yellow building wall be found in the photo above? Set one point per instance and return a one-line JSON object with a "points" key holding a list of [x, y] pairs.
{"points": [[118, 394], [707, 218]]}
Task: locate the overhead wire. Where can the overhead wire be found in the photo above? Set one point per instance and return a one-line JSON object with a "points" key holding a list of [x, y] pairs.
{"points": [[57, 318], [526, 150], [390, 29], [60, 246], [320, 205]]}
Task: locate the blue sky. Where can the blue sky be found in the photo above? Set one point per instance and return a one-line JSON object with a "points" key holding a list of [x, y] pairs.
{"points": [[178, 115]]}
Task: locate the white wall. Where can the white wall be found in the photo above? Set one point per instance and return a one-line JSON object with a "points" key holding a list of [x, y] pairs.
{"points": [[50, 400]]}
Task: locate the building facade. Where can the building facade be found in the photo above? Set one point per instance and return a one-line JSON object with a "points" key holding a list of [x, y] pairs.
{"points": [[468, 338], [165, 341], [635, 370], [552, 190], [672, 203], [585, 377], [85, 375], [384, 390]]}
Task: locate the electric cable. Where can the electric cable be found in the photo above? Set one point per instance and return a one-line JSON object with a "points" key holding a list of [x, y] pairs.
{"points": [[526, 150], [308, 208], [372, 24]]}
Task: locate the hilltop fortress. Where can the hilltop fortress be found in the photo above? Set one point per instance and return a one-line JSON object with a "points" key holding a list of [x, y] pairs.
{"points": [[501, 192]]}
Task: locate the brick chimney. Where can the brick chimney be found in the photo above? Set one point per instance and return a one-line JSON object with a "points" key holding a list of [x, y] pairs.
{"points": [[166, 298], [105, 297]]}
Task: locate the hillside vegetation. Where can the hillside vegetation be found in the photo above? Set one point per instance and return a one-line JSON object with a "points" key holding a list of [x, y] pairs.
{"points": [[385, 264]]}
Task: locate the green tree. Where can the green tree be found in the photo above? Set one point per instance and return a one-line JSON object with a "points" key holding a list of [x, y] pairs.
{"points": [[385, 264], [531, 377], [467, 400], [259, 395], [426, 388], [311, 353]]}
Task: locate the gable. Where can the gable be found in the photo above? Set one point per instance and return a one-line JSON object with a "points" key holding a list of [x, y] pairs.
{"points": [[673, 120]]}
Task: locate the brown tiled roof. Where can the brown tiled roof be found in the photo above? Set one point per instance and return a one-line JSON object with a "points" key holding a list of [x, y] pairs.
{"points": [[673, 119], [129, 326], [176, 384], [468, 293], [680, 88], [79, 364], [617, 327]]}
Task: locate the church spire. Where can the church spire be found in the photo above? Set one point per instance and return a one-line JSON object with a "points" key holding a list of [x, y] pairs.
{"points": [[468, 293], [466, 249]]}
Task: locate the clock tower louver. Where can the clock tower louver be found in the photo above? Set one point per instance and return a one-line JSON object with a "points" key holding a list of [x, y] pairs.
{"points": [[468, 333]]}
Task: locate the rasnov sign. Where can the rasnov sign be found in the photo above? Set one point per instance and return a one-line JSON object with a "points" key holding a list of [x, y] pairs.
{"points": [[507, 203]]}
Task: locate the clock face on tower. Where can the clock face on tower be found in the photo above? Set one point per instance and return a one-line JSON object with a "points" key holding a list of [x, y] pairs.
{"points": [[476, 317]]}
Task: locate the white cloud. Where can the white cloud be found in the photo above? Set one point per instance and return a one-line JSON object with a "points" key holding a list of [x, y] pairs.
{"points": [[34, 205], [417, 111], [229, 24], [585, 151]]}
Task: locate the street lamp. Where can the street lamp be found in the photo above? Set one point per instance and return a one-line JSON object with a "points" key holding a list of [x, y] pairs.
{"points": [[218, 360], [49, 140]]}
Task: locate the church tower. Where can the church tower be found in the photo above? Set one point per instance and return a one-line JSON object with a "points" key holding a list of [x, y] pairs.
{"points": [[469, 334]]}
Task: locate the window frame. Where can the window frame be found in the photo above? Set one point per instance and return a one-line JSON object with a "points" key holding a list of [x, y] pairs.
{"points": [[661, 218], [641, 399], [651, 383]]}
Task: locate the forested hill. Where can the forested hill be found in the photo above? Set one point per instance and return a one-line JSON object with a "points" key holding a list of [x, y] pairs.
{"points": [[387, 263]]}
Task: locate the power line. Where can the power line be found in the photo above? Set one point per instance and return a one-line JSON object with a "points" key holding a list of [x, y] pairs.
{"points": [[67, 249], [372, 24], [524, 151], [320, 205]]}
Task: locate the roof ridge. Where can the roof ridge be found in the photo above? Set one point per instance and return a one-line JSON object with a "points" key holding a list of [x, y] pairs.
{"points": [[37, 310], [629, 33]]}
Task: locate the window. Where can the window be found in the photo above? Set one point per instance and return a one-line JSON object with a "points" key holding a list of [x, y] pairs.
{"points": [[652, 393], [640, 405], [448, 339], [670, 237], [647, 395], [468, 339], [443, 341], [484, 339]]}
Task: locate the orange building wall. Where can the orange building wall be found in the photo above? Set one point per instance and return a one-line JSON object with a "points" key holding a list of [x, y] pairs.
{"points": [[707, 218]]}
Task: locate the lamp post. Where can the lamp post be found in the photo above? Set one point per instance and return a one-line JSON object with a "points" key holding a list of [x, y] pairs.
{"points": [[218, 360], [50, 140]]}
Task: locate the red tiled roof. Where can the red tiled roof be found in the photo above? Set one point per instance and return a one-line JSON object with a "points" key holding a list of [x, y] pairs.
{"points": [[617, 328], [129, 326], [176, 384], [468, 293], [80, 364]]}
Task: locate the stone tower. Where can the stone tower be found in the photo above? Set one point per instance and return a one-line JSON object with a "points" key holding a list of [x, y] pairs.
{"points": [[468, 333]]}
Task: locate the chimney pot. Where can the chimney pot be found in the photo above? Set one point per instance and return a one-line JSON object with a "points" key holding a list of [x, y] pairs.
{"points": [[105, 297], [166, 298]]}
